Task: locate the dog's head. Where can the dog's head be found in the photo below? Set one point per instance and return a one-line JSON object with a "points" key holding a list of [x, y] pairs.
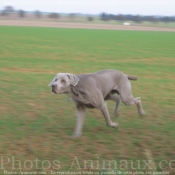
{"points": [[62, 81]]}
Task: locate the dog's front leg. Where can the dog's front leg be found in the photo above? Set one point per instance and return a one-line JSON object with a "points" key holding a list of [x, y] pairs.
{"points": [[105, 112], [79, 122]]}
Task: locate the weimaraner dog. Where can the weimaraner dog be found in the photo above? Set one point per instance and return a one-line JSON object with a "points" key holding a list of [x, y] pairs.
{"points": [[91, 91]]}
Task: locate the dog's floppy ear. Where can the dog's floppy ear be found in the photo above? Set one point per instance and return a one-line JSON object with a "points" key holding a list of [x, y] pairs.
{"points": [[73, 79], [51, 83]]}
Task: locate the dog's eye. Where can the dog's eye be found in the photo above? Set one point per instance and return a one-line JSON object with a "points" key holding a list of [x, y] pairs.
{"points": [[56, 79], [63, 81]]}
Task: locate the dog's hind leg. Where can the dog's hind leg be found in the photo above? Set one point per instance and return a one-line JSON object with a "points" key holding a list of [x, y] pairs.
{"points": [[117, 100], [128, 99], [105, 112], [101, 104], [139, 106]]}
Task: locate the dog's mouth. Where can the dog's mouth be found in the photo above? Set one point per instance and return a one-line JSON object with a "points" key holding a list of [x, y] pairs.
{"points": [[56, 91], [53, 90]]}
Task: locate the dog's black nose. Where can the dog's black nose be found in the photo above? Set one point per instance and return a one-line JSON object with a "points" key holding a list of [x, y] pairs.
{"points": [[54, 85]]}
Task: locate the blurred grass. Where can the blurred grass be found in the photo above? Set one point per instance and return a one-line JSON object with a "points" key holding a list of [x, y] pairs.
{"points": [[35, 123]]}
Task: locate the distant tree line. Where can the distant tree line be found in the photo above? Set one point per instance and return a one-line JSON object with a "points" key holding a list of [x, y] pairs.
{"points": [[8, 10], [136, 18], [54, 15]]}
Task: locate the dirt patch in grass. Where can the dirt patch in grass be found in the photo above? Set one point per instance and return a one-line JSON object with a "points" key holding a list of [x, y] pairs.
{"points": [[80, 25]]}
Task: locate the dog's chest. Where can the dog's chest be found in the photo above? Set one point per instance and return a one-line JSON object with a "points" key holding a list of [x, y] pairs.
{"points": [[85, 102], [80, 95], [80, 98]]}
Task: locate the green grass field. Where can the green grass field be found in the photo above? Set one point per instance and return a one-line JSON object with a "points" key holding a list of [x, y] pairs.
{"points": [[35, 123]]}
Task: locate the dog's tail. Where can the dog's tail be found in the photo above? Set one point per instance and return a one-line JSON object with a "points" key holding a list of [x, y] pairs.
{"points": [[130, 77]]}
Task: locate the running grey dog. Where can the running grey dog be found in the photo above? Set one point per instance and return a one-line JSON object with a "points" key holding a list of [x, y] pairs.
{"points": [[91, 91]]}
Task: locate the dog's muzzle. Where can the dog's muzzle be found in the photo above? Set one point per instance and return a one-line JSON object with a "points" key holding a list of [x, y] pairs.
{"points": [[54, 88]]}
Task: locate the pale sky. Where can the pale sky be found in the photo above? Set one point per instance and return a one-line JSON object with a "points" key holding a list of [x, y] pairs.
{"points": [[136, 7]]}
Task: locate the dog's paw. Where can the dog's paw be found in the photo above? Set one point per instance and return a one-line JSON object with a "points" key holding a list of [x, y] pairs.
{"points": [[142, 113], [74, 136], [115, 125]]}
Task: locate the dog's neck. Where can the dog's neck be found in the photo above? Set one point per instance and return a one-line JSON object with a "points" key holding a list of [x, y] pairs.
{"points": [[73, 91]]}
